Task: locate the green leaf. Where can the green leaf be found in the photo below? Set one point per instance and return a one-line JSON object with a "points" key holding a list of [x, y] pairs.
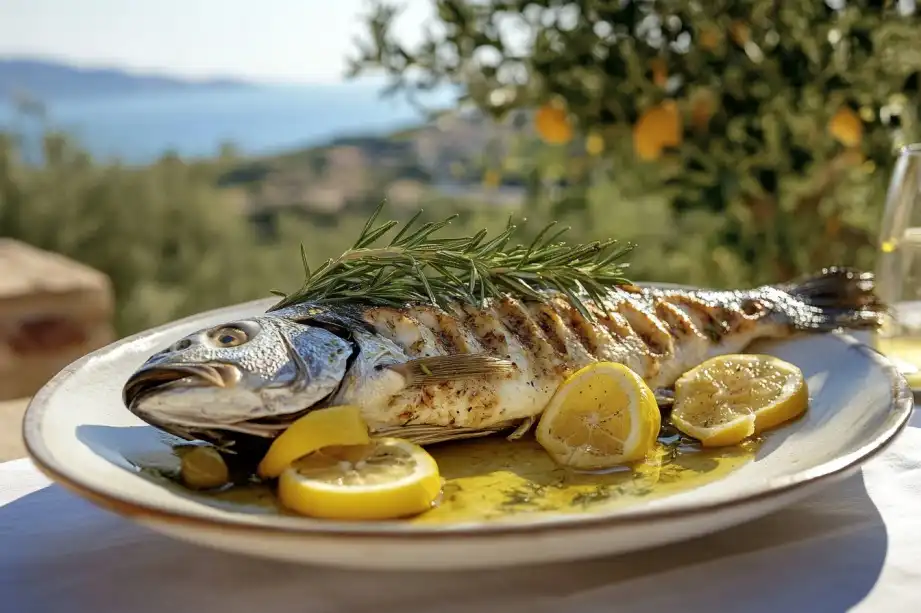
{"points": [[418, 266]]}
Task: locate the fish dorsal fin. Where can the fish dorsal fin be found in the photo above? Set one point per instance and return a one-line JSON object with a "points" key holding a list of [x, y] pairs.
{"points": [[437, 369]]}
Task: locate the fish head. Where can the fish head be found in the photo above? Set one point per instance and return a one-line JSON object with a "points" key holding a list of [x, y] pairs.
{"points": [[249, 377]]}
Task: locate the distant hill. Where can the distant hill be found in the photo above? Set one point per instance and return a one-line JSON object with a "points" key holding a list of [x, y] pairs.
{"points": [[440, 158], [48, 80]]}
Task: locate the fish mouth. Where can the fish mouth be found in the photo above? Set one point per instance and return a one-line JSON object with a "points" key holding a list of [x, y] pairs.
{"points": [[157, 378], [243, 439]]}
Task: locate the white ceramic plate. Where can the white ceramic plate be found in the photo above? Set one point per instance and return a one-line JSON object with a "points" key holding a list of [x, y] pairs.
{"points": [[79, 433]]}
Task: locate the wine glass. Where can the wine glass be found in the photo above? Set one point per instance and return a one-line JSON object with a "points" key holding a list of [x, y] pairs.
{"points": [[898, 269]]}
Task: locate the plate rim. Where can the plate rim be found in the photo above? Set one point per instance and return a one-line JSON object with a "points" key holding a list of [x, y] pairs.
{"points": [[900, 410]]}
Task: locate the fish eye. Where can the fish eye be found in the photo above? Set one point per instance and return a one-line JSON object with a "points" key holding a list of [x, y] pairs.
{"points": [[229, 336]]}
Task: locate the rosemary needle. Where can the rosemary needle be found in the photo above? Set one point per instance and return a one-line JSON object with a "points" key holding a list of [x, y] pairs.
{"points": [[416, 266]]}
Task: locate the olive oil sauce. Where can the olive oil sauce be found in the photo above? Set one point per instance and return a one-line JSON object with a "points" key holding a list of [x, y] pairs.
{"points": [[492, 479]]}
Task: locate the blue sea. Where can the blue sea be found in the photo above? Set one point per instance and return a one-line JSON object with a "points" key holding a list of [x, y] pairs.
{"points": [[138, 128]]}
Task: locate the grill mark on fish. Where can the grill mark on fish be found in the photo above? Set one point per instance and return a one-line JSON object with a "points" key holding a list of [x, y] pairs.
{"points": [[444, 328], [449, 333], [702, 314], [457, 324], [425, 317], [748, 319], [484, 326], [625, 346], [680, 325], [603, 340], [551, 325], [616, 325], [516, 320], [585, 332], [616, 334], [574, 348], [649, 328], [707, 317], [752, 308]]}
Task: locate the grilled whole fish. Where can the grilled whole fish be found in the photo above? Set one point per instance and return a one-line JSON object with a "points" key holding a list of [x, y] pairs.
{"points": [[431, 375]]}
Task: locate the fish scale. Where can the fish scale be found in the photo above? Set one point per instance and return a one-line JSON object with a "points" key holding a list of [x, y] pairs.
{"points": [[659, 334], [555, 348], [431, 374]]}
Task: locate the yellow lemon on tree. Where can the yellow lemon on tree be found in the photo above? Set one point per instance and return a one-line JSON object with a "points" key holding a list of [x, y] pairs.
{"points": [[846, 127], [594, 144], [658, 127], [552, 124], [710, 38]]}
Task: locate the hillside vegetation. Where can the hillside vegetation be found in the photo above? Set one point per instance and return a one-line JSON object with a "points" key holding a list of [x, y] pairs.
{"points": [[45, 80], [736, 143], [174, 242]]}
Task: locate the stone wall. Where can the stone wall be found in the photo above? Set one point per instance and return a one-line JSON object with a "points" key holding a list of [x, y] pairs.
{"points": [[52, 311]]}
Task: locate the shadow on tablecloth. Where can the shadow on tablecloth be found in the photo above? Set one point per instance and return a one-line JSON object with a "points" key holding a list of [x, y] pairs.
{"points": [[63, 554]]}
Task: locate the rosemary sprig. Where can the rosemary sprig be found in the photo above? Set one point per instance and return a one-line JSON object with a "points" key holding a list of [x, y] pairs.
{"points": [[417, 266]]}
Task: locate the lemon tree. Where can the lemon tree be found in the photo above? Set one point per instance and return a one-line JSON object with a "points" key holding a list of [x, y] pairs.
{"points": [[386, 478], [712, 94], [601, 416], [341, 425], [729, 398]]}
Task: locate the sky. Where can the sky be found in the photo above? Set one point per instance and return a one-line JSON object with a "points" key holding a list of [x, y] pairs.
{"points": [[289, 41]]}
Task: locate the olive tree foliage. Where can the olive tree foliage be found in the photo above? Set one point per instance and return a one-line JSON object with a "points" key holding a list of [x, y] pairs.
{"points": [[779, 118], [171, 243]]}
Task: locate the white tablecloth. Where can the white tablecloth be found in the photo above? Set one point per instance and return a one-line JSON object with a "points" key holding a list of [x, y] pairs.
{"points": [[854, 546]]}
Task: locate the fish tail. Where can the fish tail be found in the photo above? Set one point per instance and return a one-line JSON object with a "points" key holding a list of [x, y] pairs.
{"points": [[833, 299]]}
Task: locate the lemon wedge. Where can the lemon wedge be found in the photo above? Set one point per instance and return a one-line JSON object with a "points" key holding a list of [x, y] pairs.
{"points": [[731, 397], [341, 425], [601, 416], [384, 479], [203, 468]]}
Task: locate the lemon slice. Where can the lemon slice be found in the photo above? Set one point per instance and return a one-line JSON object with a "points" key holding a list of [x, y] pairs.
{"points": [[341, 425], [731, 397], [384, 479], [601, 416]]}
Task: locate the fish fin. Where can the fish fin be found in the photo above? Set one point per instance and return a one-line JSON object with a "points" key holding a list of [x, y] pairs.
{"points": [[522, 429], [837, 298], [437, 369], [424, 434]]}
